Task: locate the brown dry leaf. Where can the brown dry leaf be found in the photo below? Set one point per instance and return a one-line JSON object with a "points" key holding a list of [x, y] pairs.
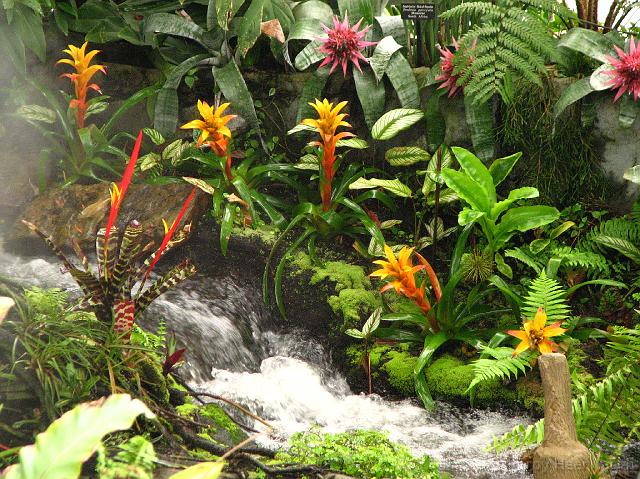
{"points": [[97, 209], [273, 29]]}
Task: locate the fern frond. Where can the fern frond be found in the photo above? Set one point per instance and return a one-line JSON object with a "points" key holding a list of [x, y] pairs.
{"points": [[502, 365], [548, 294], [520, 254], [519, 437]]}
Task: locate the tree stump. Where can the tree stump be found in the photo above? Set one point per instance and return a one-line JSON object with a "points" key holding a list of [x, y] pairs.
{"points": [[561, 455]]}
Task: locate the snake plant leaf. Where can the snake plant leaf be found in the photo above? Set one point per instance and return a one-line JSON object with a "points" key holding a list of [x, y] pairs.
{"points": [[403, 80], [479, 119], [588, 42], [371, 95], [390, 25], [171, 24], [395, 121], [394, 186], [382, 54], [203, 470], [59, 452], [309, 55], [406, 155], [357, 9], [599, 79], [436, 125], [572, 94], [304, 29], [312, 89], [281, 11]]}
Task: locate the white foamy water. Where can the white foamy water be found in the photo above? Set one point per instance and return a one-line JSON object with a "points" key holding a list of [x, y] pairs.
{"points": [[287, 378]]}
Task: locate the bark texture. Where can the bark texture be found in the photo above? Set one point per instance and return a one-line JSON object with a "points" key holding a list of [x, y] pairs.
{"points": [[561, 455]]}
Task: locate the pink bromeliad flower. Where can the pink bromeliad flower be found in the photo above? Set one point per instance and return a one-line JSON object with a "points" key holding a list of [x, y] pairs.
{"points": [[344, 44], [625, 75], [447, 76]]}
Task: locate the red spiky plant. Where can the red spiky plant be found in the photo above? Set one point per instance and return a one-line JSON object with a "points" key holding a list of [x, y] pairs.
{"points": [[625, 74], [109, 293]]}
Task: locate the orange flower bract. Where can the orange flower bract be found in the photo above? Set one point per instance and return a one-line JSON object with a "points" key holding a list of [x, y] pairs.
{"points": [[535, 334], [81, 61]]}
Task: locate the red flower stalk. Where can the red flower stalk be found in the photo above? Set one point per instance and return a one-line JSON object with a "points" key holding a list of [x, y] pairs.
{"points": [[625, 75], [171, 360], [344, 44], [169, 233]]}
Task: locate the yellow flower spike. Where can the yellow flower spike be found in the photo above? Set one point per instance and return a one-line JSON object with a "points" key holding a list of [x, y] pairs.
{"points": [[165, 225], [535, 334], [115, 193], [213, 129]]}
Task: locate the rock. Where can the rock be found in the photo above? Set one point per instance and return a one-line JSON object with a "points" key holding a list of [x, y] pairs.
{"points": [[77, 212]]}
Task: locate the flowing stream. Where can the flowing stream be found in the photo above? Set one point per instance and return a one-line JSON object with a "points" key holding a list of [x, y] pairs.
{"points": [[287, 378]]}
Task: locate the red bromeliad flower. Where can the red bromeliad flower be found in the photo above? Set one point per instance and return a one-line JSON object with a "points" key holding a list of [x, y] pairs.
{"points": [[625, 75], [447, 76], [344, 44]]}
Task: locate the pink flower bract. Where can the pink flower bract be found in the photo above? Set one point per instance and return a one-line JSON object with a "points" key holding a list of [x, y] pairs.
{"points": [[625, 75], [447, 76], [344, 44]]}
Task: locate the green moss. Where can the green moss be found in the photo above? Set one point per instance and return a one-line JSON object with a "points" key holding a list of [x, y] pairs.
{"points": [[399, 369], [449, 377], [153, 380], [529, 392], [224, 429], [352, 305], [265, 234]]}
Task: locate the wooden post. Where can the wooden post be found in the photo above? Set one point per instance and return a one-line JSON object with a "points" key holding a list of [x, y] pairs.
{"points": [[561, 455]]}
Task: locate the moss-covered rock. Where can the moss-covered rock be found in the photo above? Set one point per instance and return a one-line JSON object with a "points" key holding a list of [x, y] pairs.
{"points": [[391, 367], [223, 430], [399, 369]]}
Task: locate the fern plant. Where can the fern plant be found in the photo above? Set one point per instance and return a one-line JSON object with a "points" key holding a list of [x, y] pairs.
{"points": [[508, 38], [501, 365], [620, 234]]}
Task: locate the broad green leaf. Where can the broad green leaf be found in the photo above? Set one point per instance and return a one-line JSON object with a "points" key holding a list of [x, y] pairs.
{"points": [[395, 121], [309, 55], [599, 80], [154, 135], [172, 24], [479, 119], [557, 231], [468, 216], [382, 54], [372, 323], [129, 103], [467, 189], [476, 170], [436, 126], [572, 94], [224, 12], [313, 9], [390, 25], [233, 87], [37, 113], [523, 218], [501, 167], [371, 95], [633, 174], [354, 333], [28, 25], [406, 155], [59, 452], [203, 470], [355, 143], [403, 80], [357, 9], [394, 186], [299, 128], [503, 267], [305, 29], [250, 27], [588, 42], [539, 245], [312, 90], [149, 161], [226, 226]]}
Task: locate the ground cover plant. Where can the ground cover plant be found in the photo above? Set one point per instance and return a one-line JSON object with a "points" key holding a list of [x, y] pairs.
{"points": [[429, 200]]}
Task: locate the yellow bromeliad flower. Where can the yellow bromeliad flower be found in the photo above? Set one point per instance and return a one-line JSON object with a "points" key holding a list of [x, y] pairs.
{"points": [[328, 121], [402, 270], [536, 334], [213, 127], [81, 61]]}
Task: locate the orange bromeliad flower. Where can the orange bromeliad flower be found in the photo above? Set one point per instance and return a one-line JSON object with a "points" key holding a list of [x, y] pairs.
{"points": [[213, 130], [536, 334], [328, 121], [81, 61], [402, 270]]}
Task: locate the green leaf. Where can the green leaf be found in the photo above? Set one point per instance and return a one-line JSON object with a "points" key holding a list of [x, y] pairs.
{"points": [[172, 24], [557, 231], [316, 10], [468, 216], [599, 80], [394, 186], [371, 95], [203, 470], [59, 452], [539, 245], [312, 90], [226, 225], [357, 9], [467, 189], [28, 25], [503, 267], [381, 57], [628, 111], [233, 87], [431, 344], [130, 102], [480, 122], [572, 94], [476, 170], [501, 167], [354, 333], [404, 81], [355, 143], [149, 161], [523, 218], [588, 42], [395, 121], [304, 29], [37, 113], [309, 55], [436, 126], [250, 27], [406, 155], [372, 323], [154, 135]]}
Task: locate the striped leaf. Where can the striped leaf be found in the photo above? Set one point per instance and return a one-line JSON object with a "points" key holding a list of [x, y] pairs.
{"points": [[406, 155], [371, 95], [395, 121], [394, 186]]}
